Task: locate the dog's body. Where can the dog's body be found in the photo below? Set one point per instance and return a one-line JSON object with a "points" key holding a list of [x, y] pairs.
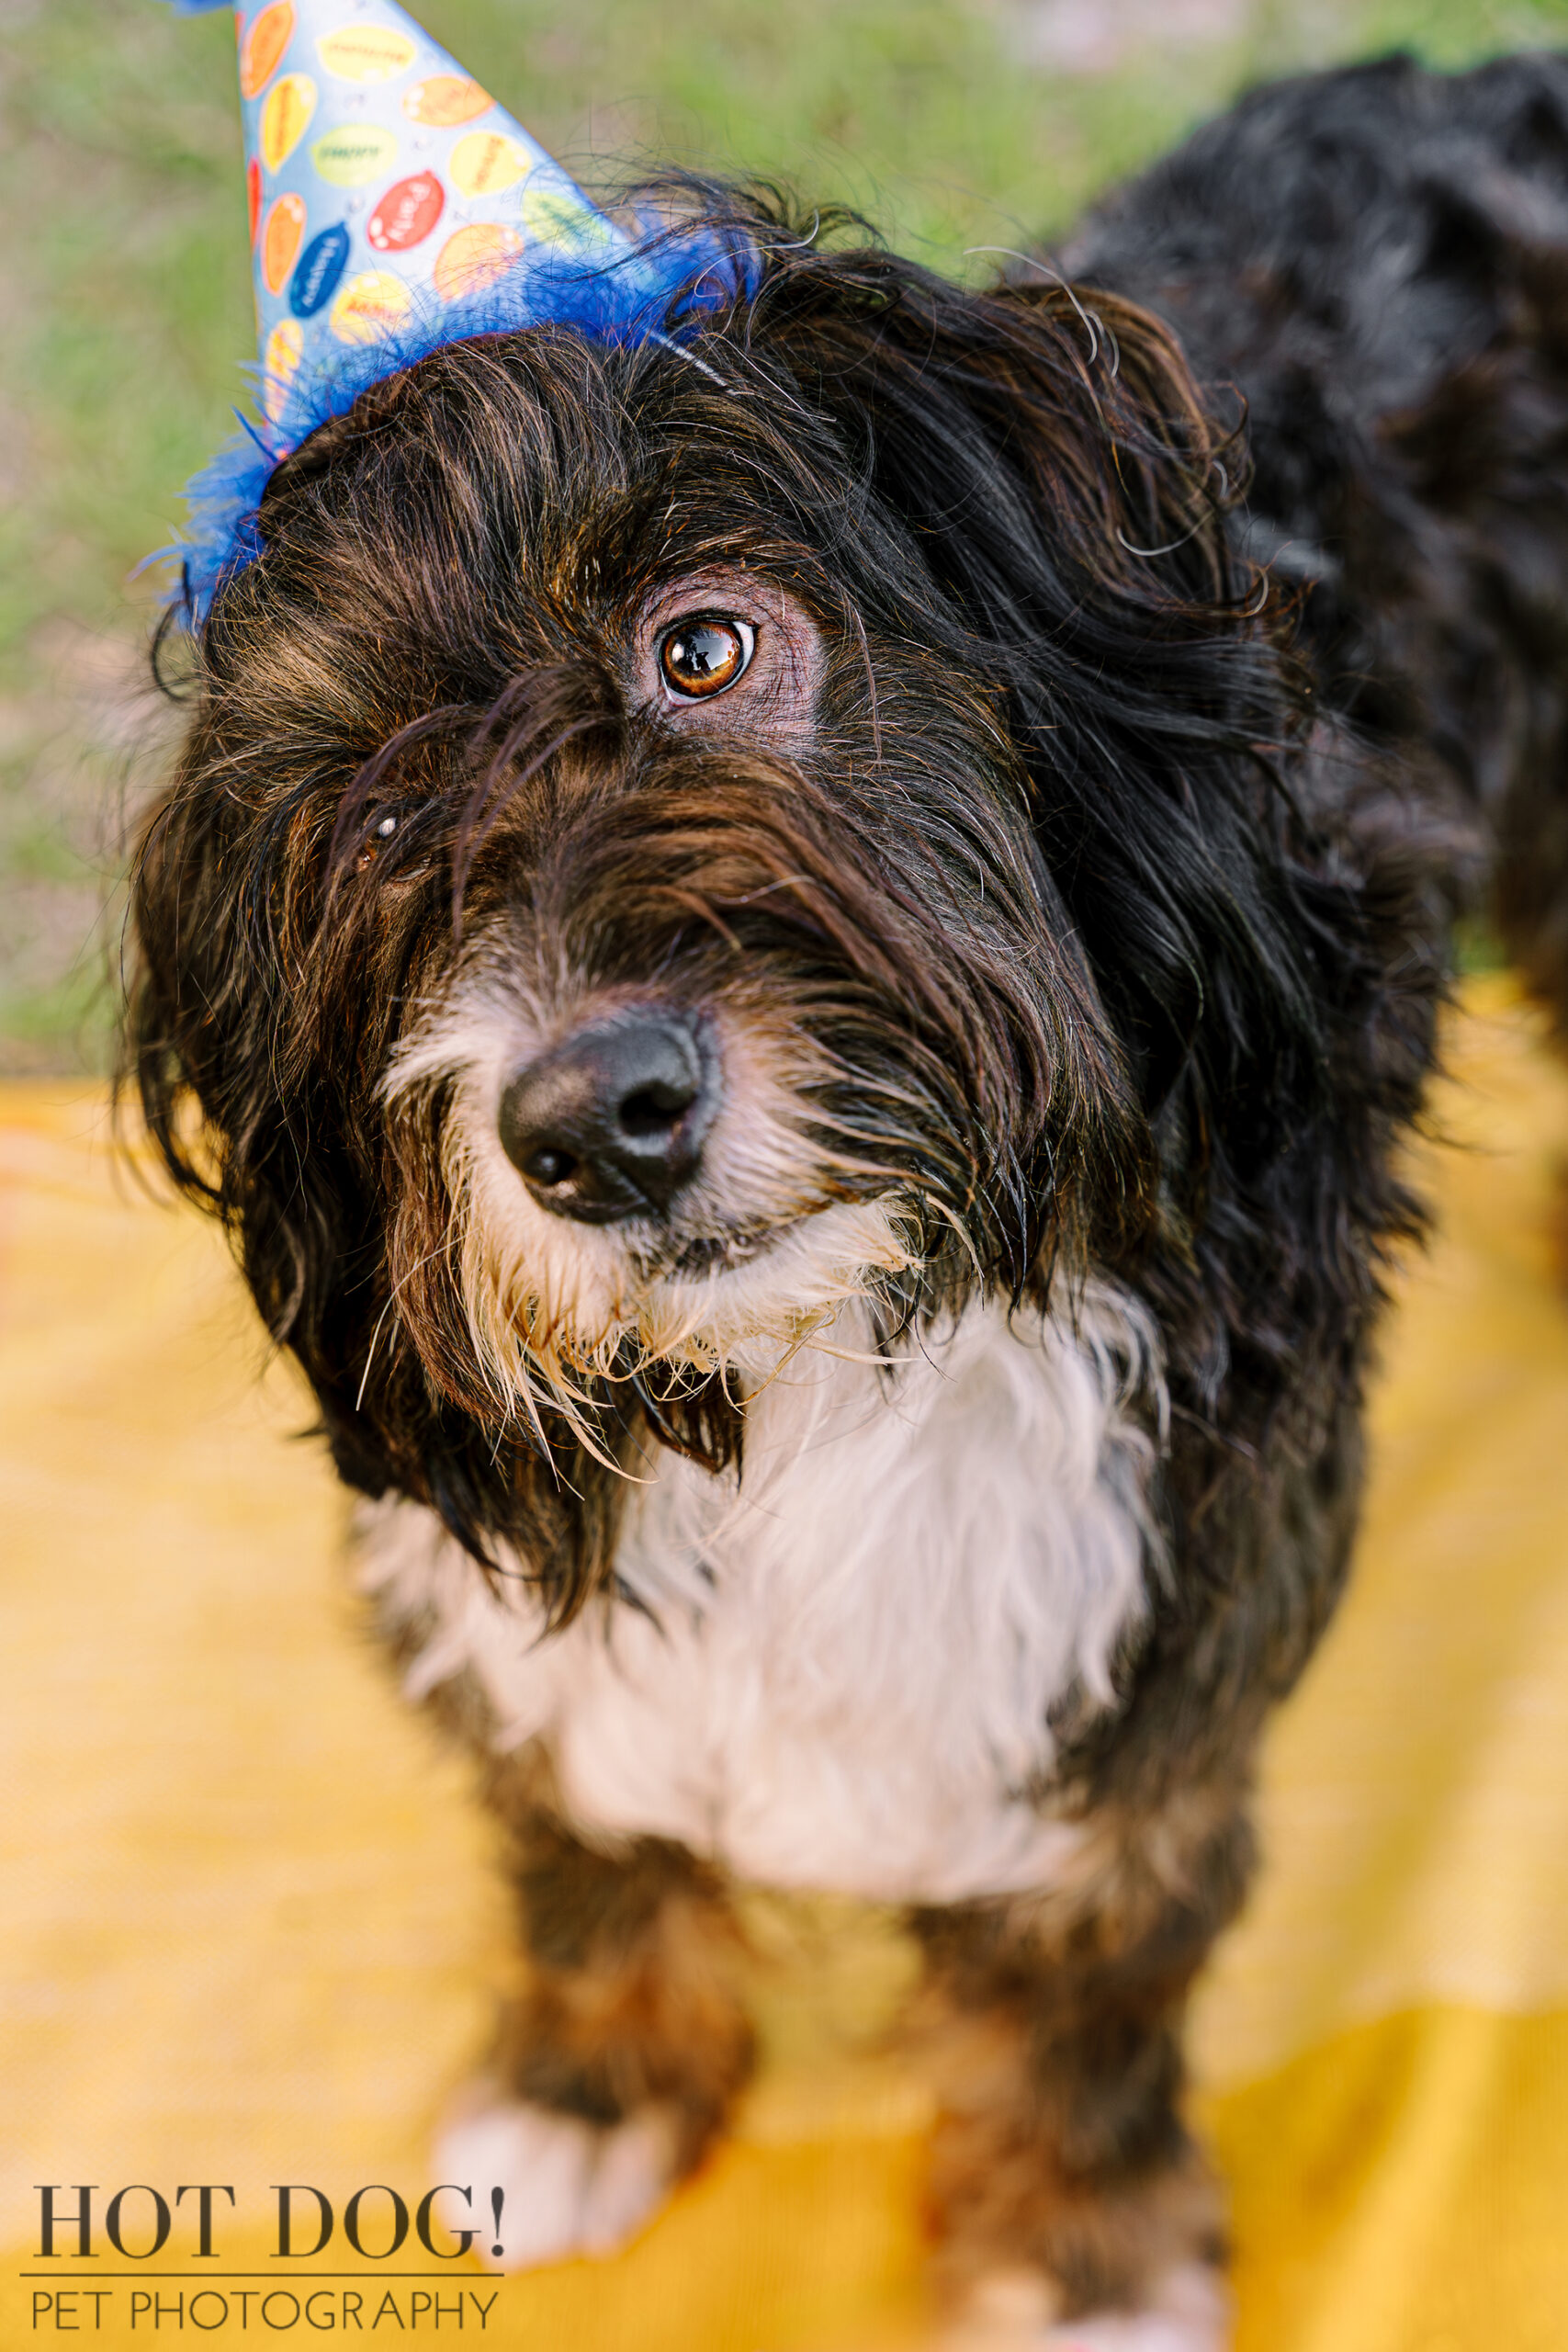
{"points": [[804, 1016]]}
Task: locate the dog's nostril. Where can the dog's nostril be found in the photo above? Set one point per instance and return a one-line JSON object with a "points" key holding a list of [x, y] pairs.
{"points": [[652, 1110], [610, 1125]]}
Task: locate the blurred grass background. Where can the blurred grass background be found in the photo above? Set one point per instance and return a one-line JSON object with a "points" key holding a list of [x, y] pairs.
{"points": [[125, 292]]}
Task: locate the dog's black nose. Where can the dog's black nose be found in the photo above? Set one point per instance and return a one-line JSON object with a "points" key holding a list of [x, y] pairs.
{"points": [[610, 1125]]}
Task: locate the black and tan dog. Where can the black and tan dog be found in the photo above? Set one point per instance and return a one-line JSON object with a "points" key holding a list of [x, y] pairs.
{"points": [[801, 959]]}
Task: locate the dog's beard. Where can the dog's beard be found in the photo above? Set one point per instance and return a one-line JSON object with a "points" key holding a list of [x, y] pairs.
{"points": [[777, 1239]]}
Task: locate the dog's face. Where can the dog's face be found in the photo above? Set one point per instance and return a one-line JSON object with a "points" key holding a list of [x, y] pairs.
{"points": [[614, 908], [730, 974]]}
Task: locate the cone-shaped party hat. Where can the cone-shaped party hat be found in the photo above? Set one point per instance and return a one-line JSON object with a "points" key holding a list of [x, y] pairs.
{"points": [[395, 207]]}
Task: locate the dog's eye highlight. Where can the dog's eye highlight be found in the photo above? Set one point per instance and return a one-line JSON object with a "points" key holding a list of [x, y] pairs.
{"points": [[703, 656]]}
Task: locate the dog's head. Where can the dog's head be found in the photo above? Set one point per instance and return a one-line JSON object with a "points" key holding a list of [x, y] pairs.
{"points": [[672, 839]]}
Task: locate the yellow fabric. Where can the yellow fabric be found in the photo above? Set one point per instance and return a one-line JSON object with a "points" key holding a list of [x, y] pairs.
{"points": [[251, 1934]]}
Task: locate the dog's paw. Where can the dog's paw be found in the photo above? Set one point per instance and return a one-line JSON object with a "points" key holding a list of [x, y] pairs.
{"points": [[1011, 2311], [1189, 2313], [567, 2187]]}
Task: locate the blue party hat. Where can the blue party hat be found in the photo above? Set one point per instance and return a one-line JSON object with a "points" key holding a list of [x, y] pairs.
{"points": [[395, 207]]}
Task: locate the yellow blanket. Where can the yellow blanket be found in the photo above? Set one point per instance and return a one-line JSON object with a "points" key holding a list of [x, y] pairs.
{"points": [[249, 1932]]}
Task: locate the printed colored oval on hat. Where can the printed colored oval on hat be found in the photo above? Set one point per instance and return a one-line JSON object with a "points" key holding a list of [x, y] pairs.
{"points": [[281, 239], [555, 216], [406, 214], [321, 266], [372, 305], [254, 195], [473, 258], [284, 118], [263, 47], [366, 53], [486, 162], [355, 153], [445, 100], [284, 349]]}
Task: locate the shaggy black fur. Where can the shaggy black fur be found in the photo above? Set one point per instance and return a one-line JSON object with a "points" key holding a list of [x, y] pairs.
{"points": [[1113, 885]]}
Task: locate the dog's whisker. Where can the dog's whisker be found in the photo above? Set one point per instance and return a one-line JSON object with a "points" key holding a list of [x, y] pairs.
{"points": [[429, 1258], [1169, 548], [1053, 278]]}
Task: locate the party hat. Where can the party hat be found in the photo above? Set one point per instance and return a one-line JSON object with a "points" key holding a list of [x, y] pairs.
{"points": [[395, 207]]}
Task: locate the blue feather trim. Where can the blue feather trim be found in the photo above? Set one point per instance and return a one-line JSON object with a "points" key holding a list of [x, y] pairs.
{"points": [[660, 289]]}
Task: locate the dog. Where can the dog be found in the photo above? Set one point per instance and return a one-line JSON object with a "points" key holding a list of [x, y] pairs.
{"points": [[798, 959]]}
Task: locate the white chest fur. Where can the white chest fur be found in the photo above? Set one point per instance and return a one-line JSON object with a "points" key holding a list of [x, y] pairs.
{"points": [[844, 1677]]}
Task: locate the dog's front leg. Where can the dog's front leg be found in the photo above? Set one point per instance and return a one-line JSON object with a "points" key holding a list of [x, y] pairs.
{"points": [[619, 2056], [1072, 2207]]}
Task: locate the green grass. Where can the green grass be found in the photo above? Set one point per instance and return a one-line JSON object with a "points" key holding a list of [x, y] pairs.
{"points": [[123, 261]]}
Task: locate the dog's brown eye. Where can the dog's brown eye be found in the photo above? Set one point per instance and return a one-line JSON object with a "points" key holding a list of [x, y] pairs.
{"points": [[699, 657]]}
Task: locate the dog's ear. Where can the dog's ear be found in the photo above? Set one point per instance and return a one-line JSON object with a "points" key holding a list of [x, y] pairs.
{"points": [[1066, 484], [268, 1130], [210, 1047]]}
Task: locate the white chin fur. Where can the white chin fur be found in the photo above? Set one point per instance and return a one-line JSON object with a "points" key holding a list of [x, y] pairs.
{"points": [[567, 2187], [549, 1301]]}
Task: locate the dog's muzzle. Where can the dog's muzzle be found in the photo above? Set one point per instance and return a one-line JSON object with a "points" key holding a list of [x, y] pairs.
{"points": [[609, 1124]]}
